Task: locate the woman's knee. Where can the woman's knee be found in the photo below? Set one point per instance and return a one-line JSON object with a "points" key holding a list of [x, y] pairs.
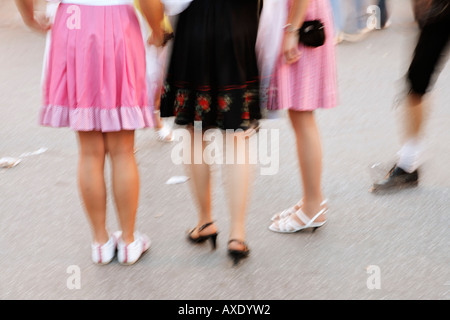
{"points": [[119, 143], [91, 144]]}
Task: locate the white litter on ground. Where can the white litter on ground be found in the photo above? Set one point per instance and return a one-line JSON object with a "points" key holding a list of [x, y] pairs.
{"points": [[9, 162], [177, 180]]}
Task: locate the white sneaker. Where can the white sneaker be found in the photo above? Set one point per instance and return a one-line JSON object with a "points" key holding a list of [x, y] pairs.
{"points": [[103, 254], [129, 254]]}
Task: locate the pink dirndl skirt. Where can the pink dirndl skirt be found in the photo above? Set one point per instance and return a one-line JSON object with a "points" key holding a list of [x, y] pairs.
{"points": [[95, 77], [310, 83]]}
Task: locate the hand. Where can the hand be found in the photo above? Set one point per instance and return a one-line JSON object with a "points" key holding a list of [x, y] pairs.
{"points": [[39, 23], [156, 38], [290, 49]]}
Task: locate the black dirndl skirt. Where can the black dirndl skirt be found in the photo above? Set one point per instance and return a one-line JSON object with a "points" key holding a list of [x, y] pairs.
{"points": [[213, 73]]}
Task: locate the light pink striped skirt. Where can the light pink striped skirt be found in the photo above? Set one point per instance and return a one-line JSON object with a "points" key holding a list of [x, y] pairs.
{"points": [[310, 83], [95, 77]]}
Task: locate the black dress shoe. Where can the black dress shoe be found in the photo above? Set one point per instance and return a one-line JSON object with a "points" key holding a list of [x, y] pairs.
{"points": [[201, 239], [237, 255], [397, 178]]}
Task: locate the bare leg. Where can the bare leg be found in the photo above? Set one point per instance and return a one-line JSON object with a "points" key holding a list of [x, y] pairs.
{"points": [[200, 182], [424, 67], [125, 180], [309, 151], [414, 119], [163, 132], [159, 122], [91, 181], [236, 178], [414, 116]]}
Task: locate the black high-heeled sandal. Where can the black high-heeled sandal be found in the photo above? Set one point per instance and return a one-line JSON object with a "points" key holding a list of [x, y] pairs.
{"points": [[201, 239], [237, 255]]}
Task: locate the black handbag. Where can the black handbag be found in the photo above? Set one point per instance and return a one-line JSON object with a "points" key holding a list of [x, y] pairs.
{"points": [[312, 33]]}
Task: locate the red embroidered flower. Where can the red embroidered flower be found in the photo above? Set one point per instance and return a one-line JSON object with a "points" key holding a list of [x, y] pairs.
{"points": [[248, 98], [180, 99], [164, 90], [203, 102], [224, 102]]}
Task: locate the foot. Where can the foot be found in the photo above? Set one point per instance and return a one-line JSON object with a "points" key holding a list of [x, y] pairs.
{"points": [[397, 178], [237, 245], [295, 208], [358, 36], [202, 230], [164, 134], [104, 253], [300, 221], [128, 254], [387, 24], [237, 250], [338, 38], [203, 233], [287, 212]]}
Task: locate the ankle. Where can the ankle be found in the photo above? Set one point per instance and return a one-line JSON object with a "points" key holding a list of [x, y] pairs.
{"points": [[313, 208], [101, 237], [410, 155], [238, 238], [313, 203], [127, 238], [205, 228]]}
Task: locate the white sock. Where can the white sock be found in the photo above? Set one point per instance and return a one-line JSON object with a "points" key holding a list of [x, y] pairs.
{"points": [[410, 155]]}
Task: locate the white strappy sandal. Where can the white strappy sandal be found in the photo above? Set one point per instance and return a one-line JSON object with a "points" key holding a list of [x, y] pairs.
{"points": [[287, 212], [291, 210], [290, 225]]}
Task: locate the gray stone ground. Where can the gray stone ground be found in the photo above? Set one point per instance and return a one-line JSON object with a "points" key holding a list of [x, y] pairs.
{"points": [[43, 230]]}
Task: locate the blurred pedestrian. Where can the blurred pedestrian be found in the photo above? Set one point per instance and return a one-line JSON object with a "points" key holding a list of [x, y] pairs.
{"points": [[351, 18], [338, 20], [384, 14], [423, 70], [156, 65], [212, 81], [304, 80], [355, 19], [95, 84]]}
